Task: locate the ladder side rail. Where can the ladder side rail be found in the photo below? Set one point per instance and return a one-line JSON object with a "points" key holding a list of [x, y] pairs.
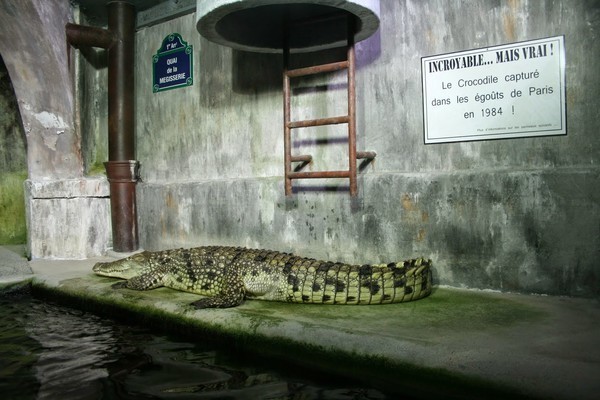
{"points": [[351, 109]]}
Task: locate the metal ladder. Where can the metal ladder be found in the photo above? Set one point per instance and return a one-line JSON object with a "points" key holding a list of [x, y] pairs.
{"points": [[349, 119]]}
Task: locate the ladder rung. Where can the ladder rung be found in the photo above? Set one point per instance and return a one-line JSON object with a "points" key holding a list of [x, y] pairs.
{"points": [[318, 174], [366, 154], [303, 158], [317, 69], [319, 122]]}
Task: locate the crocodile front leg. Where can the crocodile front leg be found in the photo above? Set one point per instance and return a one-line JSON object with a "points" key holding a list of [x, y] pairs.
{"points": [[232, 293], [147, 281]]}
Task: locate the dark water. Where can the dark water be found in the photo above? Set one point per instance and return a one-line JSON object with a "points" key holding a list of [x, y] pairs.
{"points": [[52, 352]]}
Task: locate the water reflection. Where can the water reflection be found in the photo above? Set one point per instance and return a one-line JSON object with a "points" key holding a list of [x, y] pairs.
{"points": [[18, 352], [76, 351], [52, 352]]}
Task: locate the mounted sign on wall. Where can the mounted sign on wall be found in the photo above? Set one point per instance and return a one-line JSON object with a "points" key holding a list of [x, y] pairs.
{"points": [[172, 64], [508, 91]]}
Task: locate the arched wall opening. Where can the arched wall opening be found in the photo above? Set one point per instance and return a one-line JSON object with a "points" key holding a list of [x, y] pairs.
{"points": [[67, 212], [13, 165]]}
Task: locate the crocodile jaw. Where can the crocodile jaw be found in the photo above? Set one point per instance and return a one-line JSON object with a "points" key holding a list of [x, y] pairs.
{"points": [[125, 268]]}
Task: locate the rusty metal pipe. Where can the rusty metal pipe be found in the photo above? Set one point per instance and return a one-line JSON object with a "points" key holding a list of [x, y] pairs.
{"points": [[88, 36], [122, 176], [121, 22], [121, 168]]}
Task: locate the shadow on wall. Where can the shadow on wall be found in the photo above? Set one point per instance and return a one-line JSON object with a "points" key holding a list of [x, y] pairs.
{"points": [[13, 164], [98, 58], [262, 72]]}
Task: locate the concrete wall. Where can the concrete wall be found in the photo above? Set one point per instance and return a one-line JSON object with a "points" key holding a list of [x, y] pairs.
{"points": [[67, 213], [518, 215], [90, 67]]}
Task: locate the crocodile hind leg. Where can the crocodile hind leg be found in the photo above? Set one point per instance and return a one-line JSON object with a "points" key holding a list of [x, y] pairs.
{"points": [[232, 293]]}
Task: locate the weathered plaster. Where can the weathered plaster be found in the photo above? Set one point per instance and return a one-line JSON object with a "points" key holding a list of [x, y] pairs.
{"points": [[67, 213], [515, 215], [69, 218], [34, 49]]}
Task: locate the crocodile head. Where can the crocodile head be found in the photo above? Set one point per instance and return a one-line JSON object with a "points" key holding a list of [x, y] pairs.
{"points": [[125, 268]]}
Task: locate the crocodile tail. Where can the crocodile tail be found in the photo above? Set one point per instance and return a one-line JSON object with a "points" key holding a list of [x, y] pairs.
{"points": [[336, 283]]}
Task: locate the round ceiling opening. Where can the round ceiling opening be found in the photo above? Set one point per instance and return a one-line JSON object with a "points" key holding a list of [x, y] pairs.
{"points": [[266, 25]]}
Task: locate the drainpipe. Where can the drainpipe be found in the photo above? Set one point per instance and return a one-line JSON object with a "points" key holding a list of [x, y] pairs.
{"points": [[121, 168]]}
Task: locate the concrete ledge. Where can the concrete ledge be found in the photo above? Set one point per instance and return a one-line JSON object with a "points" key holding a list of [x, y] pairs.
{"points": [[454, 343], [69, 218], [68, 188], [14, 267]]}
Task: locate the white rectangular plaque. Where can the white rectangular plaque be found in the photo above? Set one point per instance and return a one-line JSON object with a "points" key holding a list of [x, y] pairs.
{"points": [[508, 91]]}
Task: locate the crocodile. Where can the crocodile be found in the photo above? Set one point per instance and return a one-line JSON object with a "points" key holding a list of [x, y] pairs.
{"points": [[229, 275]]}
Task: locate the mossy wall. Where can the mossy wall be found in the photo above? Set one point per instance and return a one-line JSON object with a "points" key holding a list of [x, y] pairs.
{"points": [[13, 165]]}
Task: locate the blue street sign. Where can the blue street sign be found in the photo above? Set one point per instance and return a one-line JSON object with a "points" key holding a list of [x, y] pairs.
{"points": [[172, 65]]}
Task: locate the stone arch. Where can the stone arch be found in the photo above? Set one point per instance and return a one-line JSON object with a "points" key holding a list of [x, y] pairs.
{"points": [[68, 214], [34, 49]]}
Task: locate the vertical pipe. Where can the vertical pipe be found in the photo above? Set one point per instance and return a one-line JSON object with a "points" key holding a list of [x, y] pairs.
{"points": [[351, 109], [122, 169], [121, 22]]}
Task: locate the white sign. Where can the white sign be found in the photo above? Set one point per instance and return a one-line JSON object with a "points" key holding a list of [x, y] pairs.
{"points": [[508, 91]]}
